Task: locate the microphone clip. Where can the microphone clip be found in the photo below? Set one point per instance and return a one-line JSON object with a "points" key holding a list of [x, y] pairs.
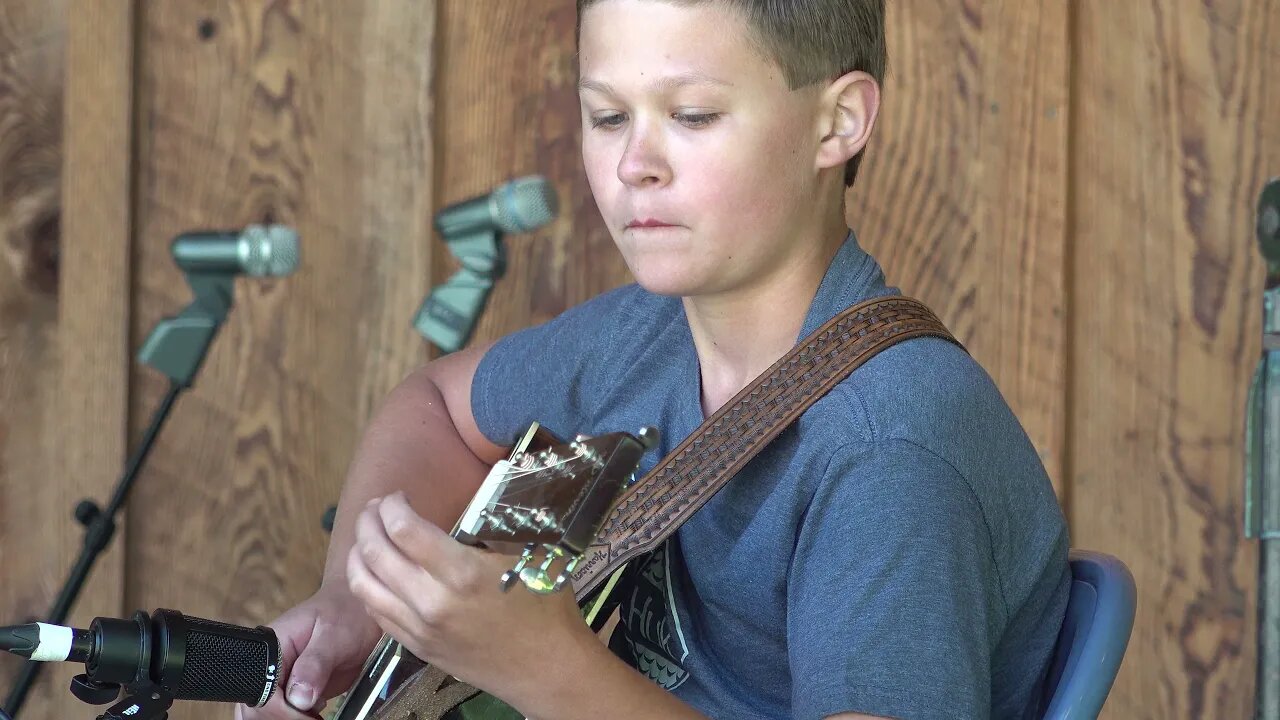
{"points": [[449, 313], [177, 346], [141, 701]]}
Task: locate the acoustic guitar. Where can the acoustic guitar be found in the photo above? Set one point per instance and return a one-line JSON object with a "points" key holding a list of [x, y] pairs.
{"points": [[545, 503]]}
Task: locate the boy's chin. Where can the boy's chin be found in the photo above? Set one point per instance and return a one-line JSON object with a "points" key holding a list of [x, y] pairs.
{"points": [[668, 288], [674, 273], [672, 284]]}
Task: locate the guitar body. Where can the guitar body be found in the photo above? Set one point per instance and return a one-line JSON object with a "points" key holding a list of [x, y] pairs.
{"points": [[548, 494]]}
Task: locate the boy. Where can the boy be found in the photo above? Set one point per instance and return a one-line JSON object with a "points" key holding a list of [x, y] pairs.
{"points": [[897, 552]]}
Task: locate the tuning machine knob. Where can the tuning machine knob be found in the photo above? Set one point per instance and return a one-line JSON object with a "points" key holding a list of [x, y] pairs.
{"points": [[565, 574], [497, 522], [510, 577], [537, 578], [649, 437]]}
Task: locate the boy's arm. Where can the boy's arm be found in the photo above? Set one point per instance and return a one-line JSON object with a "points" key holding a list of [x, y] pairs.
{"points": [[424, 441]]}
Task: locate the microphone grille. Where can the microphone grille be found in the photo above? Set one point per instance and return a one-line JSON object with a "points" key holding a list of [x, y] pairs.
{"points": [[219, 667], [525, 204], [269, 250]]}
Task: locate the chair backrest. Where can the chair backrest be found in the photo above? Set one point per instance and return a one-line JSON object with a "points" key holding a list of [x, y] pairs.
{"points": [[1094, 636]]}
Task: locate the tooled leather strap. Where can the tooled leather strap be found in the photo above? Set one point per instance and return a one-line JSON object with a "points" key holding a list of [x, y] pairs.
{"points": [[653, 508]]}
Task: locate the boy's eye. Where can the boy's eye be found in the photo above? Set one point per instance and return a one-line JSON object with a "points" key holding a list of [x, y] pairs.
{"points": [[692, 120], [697, 120], [608, 121]]}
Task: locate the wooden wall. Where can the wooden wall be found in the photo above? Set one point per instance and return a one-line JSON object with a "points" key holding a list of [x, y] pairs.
{"points": [[1071, 184], [64, 293], [1176, 125]]}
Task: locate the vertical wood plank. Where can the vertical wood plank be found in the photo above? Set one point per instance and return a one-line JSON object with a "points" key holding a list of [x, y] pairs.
{"points": [[1175, 128], [317, 115], [962, 191], [33, 43], [84, 428]]}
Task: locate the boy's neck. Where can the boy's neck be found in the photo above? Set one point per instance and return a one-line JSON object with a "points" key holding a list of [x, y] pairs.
{"points": [[740, 335]]}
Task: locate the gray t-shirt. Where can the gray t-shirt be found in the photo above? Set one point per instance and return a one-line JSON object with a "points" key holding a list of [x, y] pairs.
{"points": [[897, 551]]}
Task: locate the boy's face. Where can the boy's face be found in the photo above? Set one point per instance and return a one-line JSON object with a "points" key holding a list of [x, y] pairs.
{"points": [[687, 124]]}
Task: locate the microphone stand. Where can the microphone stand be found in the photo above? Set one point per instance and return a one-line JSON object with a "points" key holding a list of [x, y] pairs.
{"points": [[176, 347], [1262, 463]]}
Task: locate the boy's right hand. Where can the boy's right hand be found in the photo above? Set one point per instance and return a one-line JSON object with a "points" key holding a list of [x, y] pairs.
{"points": [[324, 642]]}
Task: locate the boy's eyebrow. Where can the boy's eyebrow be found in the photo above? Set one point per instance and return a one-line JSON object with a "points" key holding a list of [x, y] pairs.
{"points": [[662, 85]]}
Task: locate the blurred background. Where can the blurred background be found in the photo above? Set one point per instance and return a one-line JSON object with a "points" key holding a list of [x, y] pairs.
{"points": [[1071, 185]]}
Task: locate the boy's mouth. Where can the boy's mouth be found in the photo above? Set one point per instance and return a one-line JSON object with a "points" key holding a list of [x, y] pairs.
{"points": [[648, 223]]}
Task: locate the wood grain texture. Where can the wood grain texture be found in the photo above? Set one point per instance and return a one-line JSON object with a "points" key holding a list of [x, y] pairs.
{"points": [[32, 45], [962, 190], [31, 99], [317, 115], [1176, 126], [65, 191], [508, 100]]}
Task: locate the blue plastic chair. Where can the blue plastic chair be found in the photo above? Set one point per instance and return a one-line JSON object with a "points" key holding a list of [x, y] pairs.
{"points": [[1094, 636]]}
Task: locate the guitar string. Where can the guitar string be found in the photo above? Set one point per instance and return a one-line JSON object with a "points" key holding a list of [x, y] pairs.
{"points": [[523, 487], [521, 473]]}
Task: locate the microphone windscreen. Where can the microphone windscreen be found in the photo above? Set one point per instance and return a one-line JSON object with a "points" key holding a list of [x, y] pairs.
{"points": [[525, 204], [271, 250]]}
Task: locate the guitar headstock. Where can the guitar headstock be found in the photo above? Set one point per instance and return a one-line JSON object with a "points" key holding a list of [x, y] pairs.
{"points": [[552, 495]]}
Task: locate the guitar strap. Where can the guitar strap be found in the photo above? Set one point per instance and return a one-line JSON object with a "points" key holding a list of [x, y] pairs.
{"points": [[653, 508]]}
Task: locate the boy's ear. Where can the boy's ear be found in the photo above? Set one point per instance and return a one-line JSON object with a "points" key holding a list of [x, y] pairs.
{"points": [[847, 113]]}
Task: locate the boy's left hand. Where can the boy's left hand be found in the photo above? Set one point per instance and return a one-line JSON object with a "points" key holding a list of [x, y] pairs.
{"points": [[441, 600]]}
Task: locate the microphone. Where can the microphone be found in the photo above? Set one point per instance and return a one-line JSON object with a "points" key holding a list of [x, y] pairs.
{"points": [[1262, 460], [258, 250], [1269, 228], [189, 658], [211, 260], [471, 230], [517, 206]]}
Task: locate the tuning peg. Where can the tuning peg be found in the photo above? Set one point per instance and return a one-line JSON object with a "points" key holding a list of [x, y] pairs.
{"points": [[538, 579], [545, 519], [563, 577], [496, 522], [649, 437], [587, 453], [520, 517], [509, 577]]}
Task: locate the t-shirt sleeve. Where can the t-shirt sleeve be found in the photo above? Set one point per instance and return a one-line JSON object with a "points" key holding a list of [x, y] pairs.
{"points": [[549, 373], [894, 596]]}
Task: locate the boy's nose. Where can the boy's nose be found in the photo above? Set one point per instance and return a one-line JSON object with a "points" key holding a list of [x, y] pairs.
{"points": [[643, 163]]}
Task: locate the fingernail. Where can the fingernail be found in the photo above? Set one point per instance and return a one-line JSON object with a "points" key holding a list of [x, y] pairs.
{"points": [[301, 696]]}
